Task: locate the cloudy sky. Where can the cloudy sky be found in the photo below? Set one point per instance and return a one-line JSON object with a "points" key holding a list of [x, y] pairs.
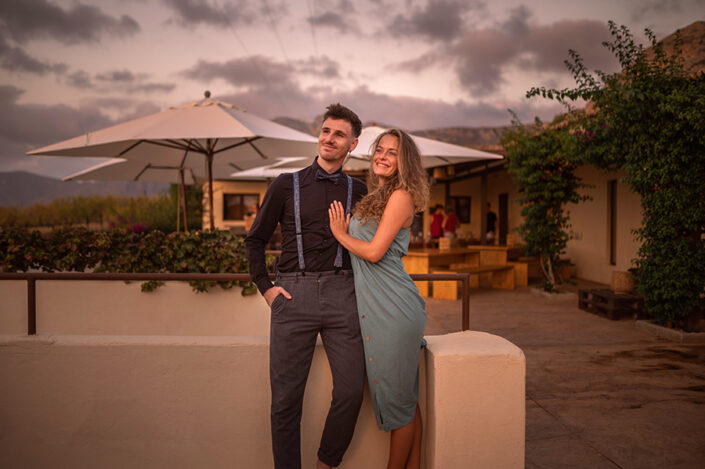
{"points": [[72, 66]]}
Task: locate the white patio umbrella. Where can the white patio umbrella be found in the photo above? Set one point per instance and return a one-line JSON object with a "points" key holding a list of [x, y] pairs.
{"points": [[263, 173], [433, 153], [205, 132]]}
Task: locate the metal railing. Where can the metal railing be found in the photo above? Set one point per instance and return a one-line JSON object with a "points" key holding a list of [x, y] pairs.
{"points": [[32, 277]]}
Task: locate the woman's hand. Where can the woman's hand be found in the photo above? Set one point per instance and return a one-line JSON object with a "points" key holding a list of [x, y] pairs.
{"points": [[338, 221]]}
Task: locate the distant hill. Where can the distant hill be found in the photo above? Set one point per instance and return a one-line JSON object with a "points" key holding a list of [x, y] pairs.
{"points": [[20, 188], [297, 124], [467, 136], [479, 137]]}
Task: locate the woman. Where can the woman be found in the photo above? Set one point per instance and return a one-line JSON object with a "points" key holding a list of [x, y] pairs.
{"points": [[392, 313]]}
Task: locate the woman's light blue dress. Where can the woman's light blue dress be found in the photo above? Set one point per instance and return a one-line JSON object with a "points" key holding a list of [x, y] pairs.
{"points": [[392, 320]]}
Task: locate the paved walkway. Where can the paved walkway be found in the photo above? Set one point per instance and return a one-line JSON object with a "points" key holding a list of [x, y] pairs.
{"points": [[599, 393]]}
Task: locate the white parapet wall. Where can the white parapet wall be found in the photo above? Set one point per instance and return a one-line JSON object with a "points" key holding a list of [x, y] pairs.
{"points": [[120, 308], [13, 306], [109, 401]]}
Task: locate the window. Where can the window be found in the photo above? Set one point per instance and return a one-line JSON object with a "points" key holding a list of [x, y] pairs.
{"points": [[612, 219], [461, 206], [236, 206]]}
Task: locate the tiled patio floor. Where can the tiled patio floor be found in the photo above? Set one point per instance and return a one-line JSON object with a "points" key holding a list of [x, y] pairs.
{"points": [[599, 393]]}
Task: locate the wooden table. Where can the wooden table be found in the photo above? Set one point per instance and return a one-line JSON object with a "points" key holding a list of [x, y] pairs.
{"points": [[490, 254], [421, 261]]}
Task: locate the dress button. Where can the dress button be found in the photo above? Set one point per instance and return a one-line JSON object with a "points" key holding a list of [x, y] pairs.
{"points": [[367, 338], [375, 382], [362, 315], [370, 358]]}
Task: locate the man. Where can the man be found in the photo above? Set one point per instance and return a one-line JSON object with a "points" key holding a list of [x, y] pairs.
{"points": [[491, 223], [314, 293]]}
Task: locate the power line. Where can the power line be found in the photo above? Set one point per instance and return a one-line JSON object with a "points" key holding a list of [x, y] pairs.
{"points": [[310, 23], [249, 56], [274, 28]]}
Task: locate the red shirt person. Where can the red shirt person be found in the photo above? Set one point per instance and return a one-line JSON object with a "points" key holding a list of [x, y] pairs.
{"points": [[450, 224], [437, 222]]}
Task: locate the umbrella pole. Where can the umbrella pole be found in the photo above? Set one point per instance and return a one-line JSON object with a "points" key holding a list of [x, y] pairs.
{"points": [[209, 156], [182, 188], [178, 211]]}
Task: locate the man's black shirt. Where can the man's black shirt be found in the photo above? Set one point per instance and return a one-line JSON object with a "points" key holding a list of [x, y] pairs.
{"points": [[319, 245]]}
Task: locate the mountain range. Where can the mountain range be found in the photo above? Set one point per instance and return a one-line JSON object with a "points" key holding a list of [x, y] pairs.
{"points": [[467, 136], [20, 188]]}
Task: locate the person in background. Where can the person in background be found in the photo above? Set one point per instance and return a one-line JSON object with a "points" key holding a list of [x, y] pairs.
{"points": [[436, 223], [450, 223], [491, 224]]}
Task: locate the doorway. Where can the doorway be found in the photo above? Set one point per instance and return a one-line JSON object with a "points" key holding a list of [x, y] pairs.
{"points": [[503, 215]]}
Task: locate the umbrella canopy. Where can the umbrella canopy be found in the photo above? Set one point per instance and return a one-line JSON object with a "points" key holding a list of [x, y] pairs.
{"points": [[182, 136], [263, 173], [433, 153]]}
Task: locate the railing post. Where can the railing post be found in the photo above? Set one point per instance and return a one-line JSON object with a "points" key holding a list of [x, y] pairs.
{"points": [[31, 307], [466, 302]]}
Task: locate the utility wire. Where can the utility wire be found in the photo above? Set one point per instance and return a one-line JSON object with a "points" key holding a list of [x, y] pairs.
{"points": [[310, 23], [274, 28], [253, 62]]}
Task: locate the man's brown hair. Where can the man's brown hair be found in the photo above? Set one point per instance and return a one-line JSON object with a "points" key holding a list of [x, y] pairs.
{"points": [[338, 111]]}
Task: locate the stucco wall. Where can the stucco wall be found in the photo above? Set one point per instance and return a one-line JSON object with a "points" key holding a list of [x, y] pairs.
{"points": [[589, 250], [183, 402], [13, 307], [499, 182], [117, 308], [229, 187]]}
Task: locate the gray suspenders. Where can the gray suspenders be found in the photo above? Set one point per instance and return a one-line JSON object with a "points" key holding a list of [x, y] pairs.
{"points": [[297, 216]]}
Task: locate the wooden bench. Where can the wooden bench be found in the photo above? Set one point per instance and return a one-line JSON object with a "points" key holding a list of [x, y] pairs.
{"points": [[610, 304], [502, 277]]}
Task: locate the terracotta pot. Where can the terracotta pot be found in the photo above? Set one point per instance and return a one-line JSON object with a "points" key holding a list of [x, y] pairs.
{"points": [[622, 282]]}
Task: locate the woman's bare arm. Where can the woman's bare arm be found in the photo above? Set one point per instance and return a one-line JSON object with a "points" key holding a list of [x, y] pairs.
{"points": [[397, 214]]}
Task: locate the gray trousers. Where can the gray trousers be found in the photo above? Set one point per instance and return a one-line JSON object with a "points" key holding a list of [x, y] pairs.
{"points": [[322, 302]]}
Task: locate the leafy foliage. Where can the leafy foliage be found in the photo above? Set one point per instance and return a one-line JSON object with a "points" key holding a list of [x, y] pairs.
{"points": [[543, 163], [648, 120], [121, 250]]}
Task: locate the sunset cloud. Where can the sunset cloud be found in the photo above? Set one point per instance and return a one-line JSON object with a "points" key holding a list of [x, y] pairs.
{"points": [[192, 13], [260, 71], [81, 23], [442, 20], [16, 59], [117, 81], [483, 57]]}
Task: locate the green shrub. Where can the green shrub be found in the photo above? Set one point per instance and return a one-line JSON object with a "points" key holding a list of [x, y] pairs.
{"points": [[542, 164], [122, 250], [649, 119]]}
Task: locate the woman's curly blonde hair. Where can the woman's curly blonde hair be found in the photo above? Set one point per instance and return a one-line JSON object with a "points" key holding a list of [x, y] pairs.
{"points": [[410, 176]]}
